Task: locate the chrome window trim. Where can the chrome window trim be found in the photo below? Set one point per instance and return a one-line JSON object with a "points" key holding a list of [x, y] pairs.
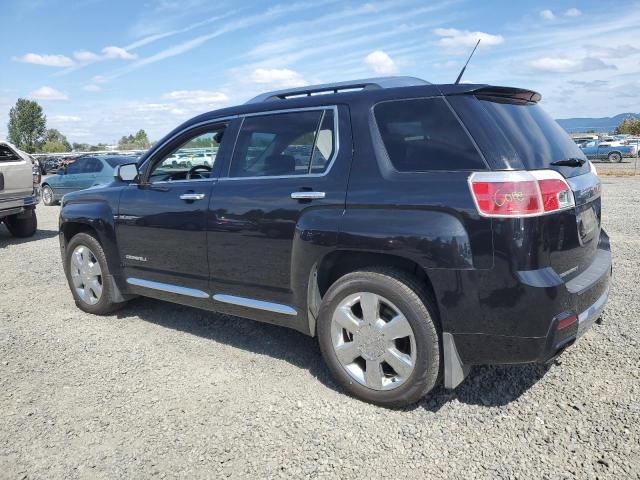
{"points": [[255, 304], [336, 142], [166, 287]]}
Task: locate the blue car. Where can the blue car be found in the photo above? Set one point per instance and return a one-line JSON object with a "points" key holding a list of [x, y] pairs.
{"points": [[85, 172], [607, 151]]}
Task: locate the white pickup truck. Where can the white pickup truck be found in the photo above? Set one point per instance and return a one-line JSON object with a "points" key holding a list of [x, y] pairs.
{"points": [[19, 191]]}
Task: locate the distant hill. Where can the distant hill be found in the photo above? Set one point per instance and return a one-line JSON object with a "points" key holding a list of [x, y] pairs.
{"points": [[602, 124]]}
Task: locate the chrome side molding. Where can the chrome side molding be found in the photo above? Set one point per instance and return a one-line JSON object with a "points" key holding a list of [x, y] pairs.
{"points": [[166, 287], [257, 304]]}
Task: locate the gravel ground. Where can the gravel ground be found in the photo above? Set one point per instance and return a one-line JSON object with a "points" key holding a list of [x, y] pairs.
{"points": [[169, 391]]}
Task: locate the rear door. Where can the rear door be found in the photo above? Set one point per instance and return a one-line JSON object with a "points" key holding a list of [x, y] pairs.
{"points": [[16, 175], [285, 164]]}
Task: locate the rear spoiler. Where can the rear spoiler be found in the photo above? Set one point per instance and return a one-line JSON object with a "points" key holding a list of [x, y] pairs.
{"points": [[507, 93]]}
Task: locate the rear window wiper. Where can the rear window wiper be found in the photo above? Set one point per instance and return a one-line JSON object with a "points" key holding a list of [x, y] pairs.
{"points": [[569, 162]]}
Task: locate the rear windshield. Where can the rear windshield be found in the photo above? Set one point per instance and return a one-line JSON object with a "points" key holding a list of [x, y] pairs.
{"points": [[517, 135], [8, 155]]}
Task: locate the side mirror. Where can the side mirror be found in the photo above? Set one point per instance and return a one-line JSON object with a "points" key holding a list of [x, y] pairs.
{"points": [[127, 172]]}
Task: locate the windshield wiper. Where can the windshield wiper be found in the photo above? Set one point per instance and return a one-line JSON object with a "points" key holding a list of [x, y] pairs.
{"points": [[569, 162]]}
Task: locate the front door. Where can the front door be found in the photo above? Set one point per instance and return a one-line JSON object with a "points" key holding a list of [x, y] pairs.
{"points": [[284, 165], [161, 225]]}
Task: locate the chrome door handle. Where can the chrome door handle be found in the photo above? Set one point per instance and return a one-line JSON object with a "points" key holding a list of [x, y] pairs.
{"points": [[307, 195], [192, 196]]}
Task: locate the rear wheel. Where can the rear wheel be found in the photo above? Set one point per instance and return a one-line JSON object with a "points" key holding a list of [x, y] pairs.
{"points": [[614, 157], [22, 225], [87, 273], [378, 336], [47, 196]]}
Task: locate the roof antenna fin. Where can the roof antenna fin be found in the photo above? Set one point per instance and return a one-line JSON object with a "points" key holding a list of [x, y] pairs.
{"points": [[465, 65]]}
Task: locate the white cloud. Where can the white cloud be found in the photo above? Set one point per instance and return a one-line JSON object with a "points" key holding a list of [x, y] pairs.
{"points": [[48, 60], [279, 77], [100, 79], [573, 12], [547, 14], [447, 64], [48, 93], [380, 62], [621, 51], [569, 65], [64, 118], [85, 56], [197, 97], [117, 52], [461, 41], [92, 87]]}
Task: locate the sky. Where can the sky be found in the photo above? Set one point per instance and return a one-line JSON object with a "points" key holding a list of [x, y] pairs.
{"points": [[102, 69]]}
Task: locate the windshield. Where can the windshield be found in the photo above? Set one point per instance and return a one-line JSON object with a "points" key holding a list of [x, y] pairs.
{"points": [[517, 135]]}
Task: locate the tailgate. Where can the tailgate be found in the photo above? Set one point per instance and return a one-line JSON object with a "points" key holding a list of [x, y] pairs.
{"points": [[573, 235]]}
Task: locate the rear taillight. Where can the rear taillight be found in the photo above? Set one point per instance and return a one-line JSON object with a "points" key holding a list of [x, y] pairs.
{"points": [[520, 193]]}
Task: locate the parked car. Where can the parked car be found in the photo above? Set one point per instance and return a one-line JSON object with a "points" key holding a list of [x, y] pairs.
{"points": [[19, 190], [608, 151], [83, 173], [425, 232]]}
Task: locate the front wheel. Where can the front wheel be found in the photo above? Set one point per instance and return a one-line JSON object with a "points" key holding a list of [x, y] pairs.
{"points": [[87, 273], [378, 336], [47, 196], [614, 157], [22, 225]]}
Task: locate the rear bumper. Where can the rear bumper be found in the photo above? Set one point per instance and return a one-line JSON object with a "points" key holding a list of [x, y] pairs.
{"points": [[11, 206], [539, 303]]}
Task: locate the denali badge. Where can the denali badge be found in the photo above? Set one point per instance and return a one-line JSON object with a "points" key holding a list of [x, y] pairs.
{"points": [[134, 257]]}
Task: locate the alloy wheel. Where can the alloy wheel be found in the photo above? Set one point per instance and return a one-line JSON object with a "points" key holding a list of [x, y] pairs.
{"points": [[47, 195], [373, 341], [86, 275]]}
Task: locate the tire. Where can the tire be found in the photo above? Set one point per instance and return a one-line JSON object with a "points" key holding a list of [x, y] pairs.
{"points": [[22, 225], [47, 196], [395, 290], [614, 157], [87, 247]]}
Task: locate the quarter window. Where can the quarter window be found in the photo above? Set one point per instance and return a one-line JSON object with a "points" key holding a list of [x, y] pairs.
{"points": [[284, 144], [423, 134]]}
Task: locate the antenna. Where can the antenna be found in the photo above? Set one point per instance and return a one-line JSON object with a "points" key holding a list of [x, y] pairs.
{"points": [[465, 65]]}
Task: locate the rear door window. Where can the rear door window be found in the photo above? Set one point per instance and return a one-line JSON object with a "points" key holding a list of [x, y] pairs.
{"points": [[423, 135], [284, 144]]}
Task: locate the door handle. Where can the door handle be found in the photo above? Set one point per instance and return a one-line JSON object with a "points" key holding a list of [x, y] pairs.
{"points": [[307, 195], [192, 196]]}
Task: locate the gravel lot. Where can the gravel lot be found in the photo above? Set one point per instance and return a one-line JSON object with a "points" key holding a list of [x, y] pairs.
{"points": [[169, 391]]}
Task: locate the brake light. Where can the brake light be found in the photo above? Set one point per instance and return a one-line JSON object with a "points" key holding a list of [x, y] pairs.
{"points": [[520, 193]]}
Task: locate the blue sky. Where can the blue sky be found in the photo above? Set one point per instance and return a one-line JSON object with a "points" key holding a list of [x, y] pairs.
{"points": [[105, 68]]}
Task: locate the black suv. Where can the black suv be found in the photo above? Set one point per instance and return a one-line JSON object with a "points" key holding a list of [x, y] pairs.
{"points": [[416, 229]]}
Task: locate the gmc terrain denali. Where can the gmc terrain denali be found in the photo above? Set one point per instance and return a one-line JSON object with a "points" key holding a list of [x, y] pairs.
{"points": [[415, 229]]}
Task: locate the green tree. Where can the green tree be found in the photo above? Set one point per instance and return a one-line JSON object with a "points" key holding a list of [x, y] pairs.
{"points": [[630, 126], [134, 142], [54, 142], [27, 125]]}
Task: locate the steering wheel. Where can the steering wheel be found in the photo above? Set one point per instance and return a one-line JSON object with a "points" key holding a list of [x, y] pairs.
{"points": [[194, 169]]}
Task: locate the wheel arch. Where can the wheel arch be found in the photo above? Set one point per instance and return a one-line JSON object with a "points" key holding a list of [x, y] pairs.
{"points": [[338, 263]]}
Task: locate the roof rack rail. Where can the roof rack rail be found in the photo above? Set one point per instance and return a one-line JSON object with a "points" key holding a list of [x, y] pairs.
{"points": [[362, 84]]}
